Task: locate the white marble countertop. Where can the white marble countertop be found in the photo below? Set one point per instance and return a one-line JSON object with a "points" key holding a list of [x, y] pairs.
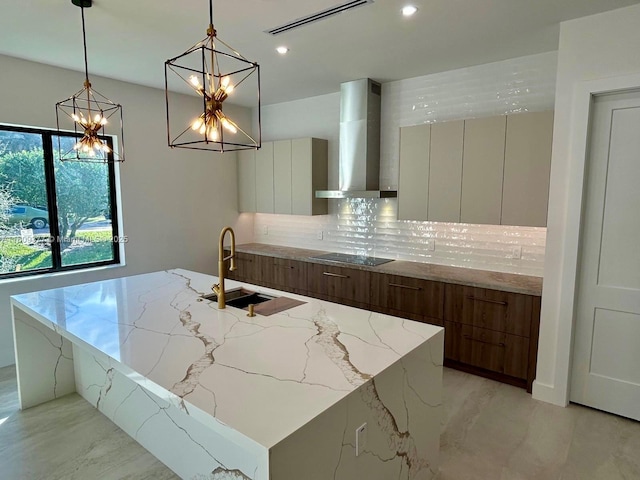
{"points": [[265, 377]]}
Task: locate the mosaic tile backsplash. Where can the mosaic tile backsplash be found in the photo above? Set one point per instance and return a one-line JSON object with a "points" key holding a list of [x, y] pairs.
{"points": [[371, 226]]}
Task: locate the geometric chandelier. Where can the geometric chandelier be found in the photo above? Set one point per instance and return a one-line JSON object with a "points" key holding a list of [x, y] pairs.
{"points": [[214, 71], [95, 119]]}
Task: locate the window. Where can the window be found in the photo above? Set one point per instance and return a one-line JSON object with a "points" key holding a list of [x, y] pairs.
{"points": [[54, 215]]}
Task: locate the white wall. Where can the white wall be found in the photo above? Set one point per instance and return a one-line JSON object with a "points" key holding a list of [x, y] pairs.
{"points": [[595, 47], [516, 85], [174, 202]]}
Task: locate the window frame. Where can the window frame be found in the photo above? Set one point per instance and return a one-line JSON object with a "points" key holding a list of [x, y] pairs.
{"points": [[52, 207]]}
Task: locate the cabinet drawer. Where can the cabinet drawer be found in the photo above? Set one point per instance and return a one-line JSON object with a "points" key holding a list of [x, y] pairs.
{"points": [[489, 309], [409, 295], [347, 284], [487, 349], [284, 274]]}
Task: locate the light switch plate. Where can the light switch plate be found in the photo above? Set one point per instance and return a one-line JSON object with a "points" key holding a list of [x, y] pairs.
{"points": [[361, 438], [516, 252], [319, 234], [431, 245], [265, 230]]}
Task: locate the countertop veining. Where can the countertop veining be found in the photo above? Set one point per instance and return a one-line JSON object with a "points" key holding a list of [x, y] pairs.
{"points": [[508, 282]]}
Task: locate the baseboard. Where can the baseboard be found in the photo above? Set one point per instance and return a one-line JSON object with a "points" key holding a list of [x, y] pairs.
{"points": [[549, 394]]}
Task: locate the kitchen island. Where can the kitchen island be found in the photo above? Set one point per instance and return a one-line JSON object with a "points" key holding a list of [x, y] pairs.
{"points": [[215, 394]]}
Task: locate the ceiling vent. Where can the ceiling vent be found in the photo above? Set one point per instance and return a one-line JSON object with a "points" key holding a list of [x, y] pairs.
{"points": [[315, 17]]}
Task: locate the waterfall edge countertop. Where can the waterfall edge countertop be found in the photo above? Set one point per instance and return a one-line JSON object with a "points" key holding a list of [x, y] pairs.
{"points": [[508, 282], [264, 377]]}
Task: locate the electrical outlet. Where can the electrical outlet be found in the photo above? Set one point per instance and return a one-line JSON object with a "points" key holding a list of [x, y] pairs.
{"points": [[265, 230], [431, 245], [319, 234], [516, 252], [361, 438]]}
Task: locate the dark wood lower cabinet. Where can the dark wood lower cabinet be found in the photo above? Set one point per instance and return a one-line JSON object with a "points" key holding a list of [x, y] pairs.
{"points": [[284, 274], [487, 332], [342, 285], [407, 297]]}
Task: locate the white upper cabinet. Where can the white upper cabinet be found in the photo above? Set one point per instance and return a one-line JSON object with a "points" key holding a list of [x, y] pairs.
{"points": [[264, 179], [492, 170], [282, 177], [527, 165], [309, 172], [445, 171], [482, 172], [247, 181], [413, 184]]}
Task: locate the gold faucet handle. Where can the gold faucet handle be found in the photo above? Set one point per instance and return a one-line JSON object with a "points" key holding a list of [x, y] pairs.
{"points": [[216, 288]]}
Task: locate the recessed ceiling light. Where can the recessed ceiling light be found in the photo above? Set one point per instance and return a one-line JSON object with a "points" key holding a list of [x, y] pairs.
{"points": [[282, 50], [409, 10]]}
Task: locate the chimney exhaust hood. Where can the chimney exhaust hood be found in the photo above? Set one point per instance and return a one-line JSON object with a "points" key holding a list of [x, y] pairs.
{"points": [[360, 104]]}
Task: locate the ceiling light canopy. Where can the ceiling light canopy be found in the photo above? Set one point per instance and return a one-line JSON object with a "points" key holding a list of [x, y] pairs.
{"points": [[214, 71], [95, 119], [409, 10]]}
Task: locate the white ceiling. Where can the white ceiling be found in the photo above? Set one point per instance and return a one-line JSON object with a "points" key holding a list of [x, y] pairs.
{"points": [[130, 39]]}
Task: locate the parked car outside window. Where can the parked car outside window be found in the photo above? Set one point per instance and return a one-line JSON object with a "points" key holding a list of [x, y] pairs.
{"points": [[27, 215]]}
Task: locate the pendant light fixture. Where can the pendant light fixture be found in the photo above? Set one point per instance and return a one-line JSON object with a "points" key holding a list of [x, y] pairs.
{"points": [[95, 119], [214, 71]]}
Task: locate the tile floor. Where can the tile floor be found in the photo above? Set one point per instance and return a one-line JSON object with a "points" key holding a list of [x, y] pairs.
{"points": [[490, 431]]}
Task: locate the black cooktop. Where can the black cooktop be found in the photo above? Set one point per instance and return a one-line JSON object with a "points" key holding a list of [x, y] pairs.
{"points": [[354, 259]]}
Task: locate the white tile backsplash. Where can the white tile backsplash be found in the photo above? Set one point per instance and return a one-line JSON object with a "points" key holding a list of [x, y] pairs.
{"points": [[371, 226]]}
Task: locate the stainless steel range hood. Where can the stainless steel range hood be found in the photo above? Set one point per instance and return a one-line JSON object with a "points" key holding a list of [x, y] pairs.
{"points": [[360, 102]]}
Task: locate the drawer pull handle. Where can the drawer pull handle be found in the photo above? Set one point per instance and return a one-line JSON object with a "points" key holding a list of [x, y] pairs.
{"points": [[469, 337], [329, 274], [408, 287], [497, 302]]}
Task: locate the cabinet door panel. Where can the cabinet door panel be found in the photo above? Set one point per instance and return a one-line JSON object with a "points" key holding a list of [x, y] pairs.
{"points": [[413, 183], [348, 284], [408, 295], [445, 171], [247, 181], [516, 360], [482, 170], [264, 178], [490, 309], [282, 176], [284, 274], [483, 348], [247, 267], [527, 166]]}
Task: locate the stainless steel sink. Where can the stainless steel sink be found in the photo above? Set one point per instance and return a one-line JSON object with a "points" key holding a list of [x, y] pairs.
{"points": [[240, 297]]}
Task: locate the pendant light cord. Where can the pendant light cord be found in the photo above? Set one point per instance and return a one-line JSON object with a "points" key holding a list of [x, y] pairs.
{"points": [[210, 12], [84, 43]]}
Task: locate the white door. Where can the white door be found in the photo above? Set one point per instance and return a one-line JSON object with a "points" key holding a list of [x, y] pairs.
{"points": [[606, 361]]}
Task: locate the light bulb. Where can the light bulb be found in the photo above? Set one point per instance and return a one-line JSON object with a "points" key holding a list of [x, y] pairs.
{"points": [[409, 10], [195, 81], [282, 50], [97, 118], [103, 121], [75, 117], [225, 81], [77, 146], [229, 125], [197, 123], [214, 134], [203, 129], [229, 89]]}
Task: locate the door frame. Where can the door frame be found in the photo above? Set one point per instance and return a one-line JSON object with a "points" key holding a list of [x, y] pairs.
{"points": [[579, 137]]}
